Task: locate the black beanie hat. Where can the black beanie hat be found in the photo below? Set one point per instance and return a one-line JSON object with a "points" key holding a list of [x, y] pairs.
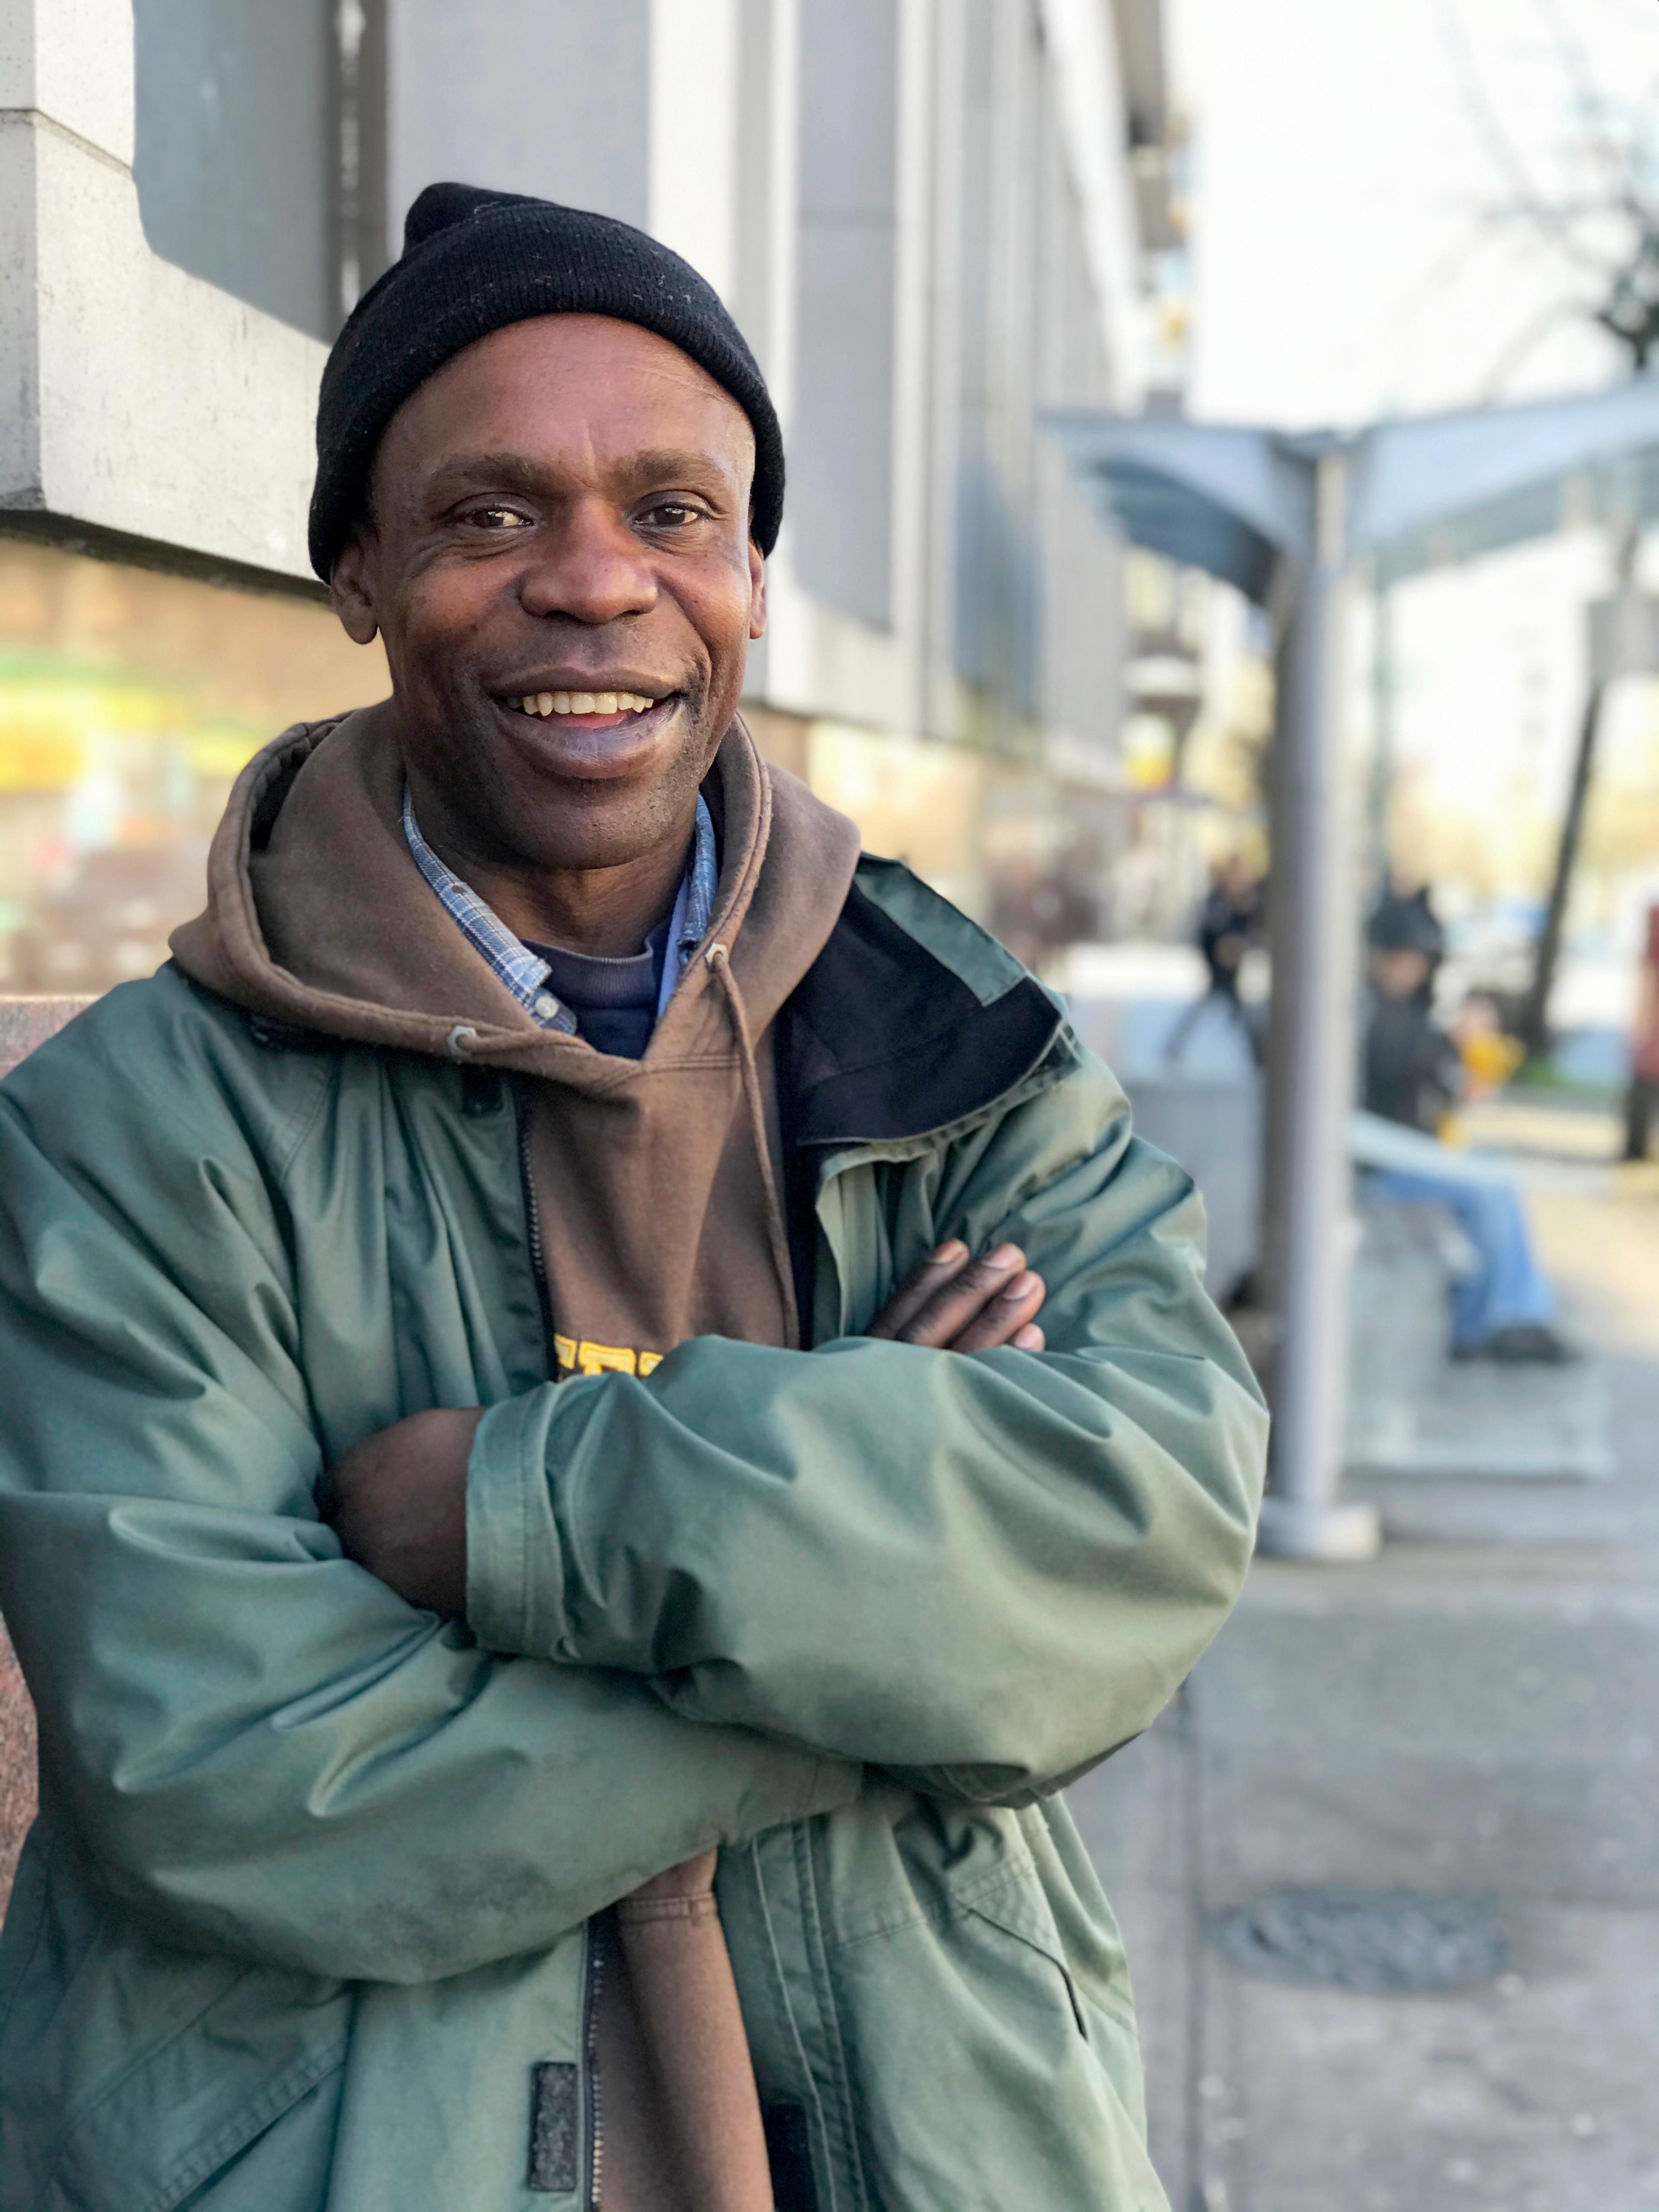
{"points": [[475, 260]]}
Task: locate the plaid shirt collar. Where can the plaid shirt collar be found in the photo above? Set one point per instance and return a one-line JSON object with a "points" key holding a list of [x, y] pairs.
{"points": [[522, 971]]}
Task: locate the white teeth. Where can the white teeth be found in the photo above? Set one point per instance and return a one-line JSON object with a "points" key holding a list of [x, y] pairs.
{"points": [[584, 702]]}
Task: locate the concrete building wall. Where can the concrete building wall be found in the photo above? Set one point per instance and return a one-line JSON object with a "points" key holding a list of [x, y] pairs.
{"points": [[138, 402], [234, 155], [992, 628], [550, 97], [846, 269]]}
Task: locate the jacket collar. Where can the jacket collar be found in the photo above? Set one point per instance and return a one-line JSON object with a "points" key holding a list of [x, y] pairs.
{"points": [[886, 1043]]}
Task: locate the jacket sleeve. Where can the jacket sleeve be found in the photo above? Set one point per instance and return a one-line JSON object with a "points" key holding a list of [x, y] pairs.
{"points": [[260, 1748], [984, 1572]]}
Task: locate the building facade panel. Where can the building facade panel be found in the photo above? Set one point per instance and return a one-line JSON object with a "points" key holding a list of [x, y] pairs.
{"points": [[550, 97], [234, 149], [842, 419]]}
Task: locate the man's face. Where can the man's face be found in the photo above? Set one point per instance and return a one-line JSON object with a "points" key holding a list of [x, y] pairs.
{"points": [[1399, 974], [561, 514]]}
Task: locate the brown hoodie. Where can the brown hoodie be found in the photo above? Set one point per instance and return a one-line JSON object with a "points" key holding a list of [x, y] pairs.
{"points": [[657, 1193]]}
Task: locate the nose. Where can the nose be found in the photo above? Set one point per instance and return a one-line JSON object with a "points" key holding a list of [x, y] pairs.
{"points": [[588, 566]]}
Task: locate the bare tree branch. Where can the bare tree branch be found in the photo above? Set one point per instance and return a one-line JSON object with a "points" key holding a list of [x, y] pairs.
{"points": [[1532, 332]]}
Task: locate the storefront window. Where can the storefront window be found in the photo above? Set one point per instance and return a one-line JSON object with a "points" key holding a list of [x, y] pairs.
{"points": [[129, 701]]}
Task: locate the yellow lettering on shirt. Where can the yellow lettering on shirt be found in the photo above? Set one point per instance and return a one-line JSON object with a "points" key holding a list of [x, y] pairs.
{"points": [[605, 1359], [580, 1356]]}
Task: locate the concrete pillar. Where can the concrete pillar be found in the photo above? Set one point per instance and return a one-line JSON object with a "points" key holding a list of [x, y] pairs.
{"points": [[695, 137], [1310, 1076]]}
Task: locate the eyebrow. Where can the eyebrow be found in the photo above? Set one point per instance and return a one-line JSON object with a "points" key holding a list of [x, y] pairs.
{"points": [[520, 473]]}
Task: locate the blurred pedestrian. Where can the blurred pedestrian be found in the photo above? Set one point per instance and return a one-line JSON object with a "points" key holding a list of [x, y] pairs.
{"points": [[1642, 1099], [1228, 922]]}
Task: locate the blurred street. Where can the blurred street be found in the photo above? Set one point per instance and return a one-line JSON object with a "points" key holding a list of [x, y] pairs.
{"points": [[1468, 1718]]}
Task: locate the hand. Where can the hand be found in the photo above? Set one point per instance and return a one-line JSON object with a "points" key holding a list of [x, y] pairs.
{"points": [[954, 1302], [398, 1502]]}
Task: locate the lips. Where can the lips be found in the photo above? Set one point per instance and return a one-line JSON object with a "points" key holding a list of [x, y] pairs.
{"points": [[568, 738]]}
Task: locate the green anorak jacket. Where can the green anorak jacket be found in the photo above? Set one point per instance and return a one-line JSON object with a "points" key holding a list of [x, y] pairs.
{"points": [[306, 1922]]}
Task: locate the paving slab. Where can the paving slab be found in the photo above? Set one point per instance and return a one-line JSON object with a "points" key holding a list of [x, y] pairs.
{"points": [[1536, 2093]]}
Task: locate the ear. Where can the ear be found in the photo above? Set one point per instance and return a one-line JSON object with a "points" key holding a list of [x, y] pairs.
{"points": [[757, 591], [351, 590]]}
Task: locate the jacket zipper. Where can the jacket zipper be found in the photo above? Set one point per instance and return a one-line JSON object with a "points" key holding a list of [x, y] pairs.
{"points": [[532, 1218], [592, 1935], [593, 1981]]}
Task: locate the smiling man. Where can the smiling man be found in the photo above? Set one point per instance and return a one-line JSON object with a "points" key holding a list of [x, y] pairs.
{"points": [[561, 1575]]}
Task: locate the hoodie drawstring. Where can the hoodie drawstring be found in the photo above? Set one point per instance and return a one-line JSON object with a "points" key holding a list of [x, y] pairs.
{"points": [[777, 1233]]}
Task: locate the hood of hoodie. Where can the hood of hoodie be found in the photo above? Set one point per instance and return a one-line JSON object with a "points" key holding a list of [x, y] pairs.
{"points": [[655, 1213], [317, 918]]}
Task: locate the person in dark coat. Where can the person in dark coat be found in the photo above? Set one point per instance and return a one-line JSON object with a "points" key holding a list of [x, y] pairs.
{"points": [[1411, 1075]]}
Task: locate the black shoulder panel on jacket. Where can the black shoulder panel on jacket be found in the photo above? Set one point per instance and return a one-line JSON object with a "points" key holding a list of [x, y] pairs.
{"points": [[883, 1041]]}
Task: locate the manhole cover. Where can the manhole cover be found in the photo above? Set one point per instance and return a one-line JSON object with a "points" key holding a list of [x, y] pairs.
{"points": [[1366, 1939]]}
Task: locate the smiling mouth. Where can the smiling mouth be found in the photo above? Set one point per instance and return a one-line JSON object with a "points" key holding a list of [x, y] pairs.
{"points": [[620, 704]]}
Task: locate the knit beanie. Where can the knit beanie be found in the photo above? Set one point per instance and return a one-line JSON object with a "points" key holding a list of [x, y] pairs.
{"points": [[475, 260]]}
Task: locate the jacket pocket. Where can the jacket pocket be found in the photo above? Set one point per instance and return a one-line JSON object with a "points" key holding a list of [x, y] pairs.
{"points": [[187, 2108], [1018, 1911], [975, 2085]]}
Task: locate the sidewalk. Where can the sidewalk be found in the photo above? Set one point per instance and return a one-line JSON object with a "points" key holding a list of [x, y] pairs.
{"points": [[1446, 1763]]}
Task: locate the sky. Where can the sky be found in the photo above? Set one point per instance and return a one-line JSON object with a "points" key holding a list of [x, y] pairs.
{"points": [[1357, 167]]}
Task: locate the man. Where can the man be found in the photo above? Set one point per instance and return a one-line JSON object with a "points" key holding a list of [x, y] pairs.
{"points": [[541, 1052], [1504, 1307]]}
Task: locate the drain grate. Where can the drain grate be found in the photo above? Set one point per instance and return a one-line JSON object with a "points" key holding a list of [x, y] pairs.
{"points": [[1366, 1939]]}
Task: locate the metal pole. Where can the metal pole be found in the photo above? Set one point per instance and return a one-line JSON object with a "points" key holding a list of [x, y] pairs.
{"points": [[1382, 732], [1311, 1077], [1534, 1024]]}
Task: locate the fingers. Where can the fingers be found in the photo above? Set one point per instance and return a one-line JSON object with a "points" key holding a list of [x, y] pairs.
{"points": [[938, 1268], [958, 1302], [1006, 1317], [952, 1303]]}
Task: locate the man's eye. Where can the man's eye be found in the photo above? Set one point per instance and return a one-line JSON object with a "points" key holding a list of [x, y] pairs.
{"points": [[672, 513], [496, 517]]}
